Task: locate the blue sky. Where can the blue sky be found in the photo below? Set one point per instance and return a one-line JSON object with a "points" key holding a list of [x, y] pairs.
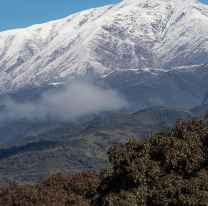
{"points": [[23, 13]]}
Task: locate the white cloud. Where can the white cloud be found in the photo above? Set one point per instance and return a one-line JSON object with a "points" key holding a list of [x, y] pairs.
{"points": [[75, 100]]}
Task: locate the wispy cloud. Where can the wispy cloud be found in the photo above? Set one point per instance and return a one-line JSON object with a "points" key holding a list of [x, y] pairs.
{"points": [[75, 100]]}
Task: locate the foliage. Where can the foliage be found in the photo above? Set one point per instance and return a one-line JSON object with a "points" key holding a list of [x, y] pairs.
{"points": [[169, 168], [58, 190]]}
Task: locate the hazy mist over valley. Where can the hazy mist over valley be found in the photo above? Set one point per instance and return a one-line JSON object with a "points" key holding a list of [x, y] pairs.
{"points": [[76, 99]]}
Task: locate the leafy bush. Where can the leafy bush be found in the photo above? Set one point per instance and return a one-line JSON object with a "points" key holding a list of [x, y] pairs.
{"points": [[169, 168], [58, 190]]}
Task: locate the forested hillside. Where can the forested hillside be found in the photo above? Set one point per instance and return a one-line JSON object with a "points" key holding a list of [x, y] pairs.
{"points": [[81, 146], [168, 169]]}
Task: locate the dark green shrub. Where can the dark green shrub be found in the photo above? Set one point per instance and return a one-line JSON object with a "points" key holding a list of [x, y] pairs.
{"points": [[169, 168], [58, 190]]}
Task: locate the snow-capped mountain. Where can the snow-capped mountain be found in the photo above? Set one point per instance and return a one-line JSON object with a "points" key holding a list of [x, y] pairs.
{"points": [[153, 42]]}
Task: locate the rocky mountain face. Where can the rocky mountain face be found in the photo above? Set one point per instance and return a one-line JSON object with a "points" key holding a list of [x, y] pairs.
{"points": [[154, 52]]}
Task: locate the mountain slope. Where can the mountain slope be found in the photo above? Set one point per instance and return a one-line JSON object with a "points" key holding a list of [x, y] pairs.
{"points": [[159, 38], [138, 34], [82, 146], [79, 146]]}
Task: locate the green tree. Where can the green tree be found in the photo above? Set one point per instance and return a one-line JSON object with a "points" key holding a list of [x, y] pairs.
{"points": [[57, 190], [169, 168]]}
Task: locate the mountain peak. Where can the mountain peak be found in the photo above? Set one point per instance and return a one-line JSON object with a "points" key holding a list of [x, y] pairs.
{"points": [[131, 35], [186, 2]]}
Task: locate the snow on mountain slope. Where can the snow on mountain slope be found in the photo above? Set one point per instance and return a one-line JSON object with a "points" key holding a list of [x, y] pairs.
{"points": [[134, 34]]}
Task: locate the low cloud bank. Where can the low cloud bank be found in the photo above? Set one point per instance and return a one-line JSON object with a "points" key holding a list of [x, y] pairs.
{"points": [[75, 100]]}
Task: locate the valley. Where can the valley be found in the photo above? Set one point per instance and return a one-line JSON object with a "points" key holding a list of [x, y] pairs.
{"points": [[82, 146]]}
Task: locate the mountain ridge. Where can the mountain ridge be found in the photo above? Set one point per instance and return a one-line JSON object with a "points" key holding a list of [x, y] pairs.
{"points": [[99, 18], [161, 40]]}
